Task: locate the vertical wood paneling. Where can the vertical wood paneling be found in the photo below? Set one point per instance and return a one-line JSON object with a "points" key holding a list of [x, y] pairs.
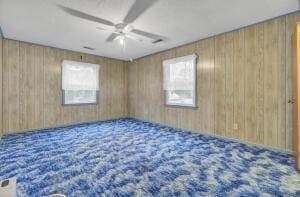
{"points": [[132, 83], [220, 85], [123, 91], [12, 70], [272, 60], [290, 28], [104, 86], [5, 87], [204, 120], [143, 81], [124, 87], [249, 65], [281, 123], [244, 78], [52, 114], [229, 102], [112, 91], [239, 84], [259, 84], [32, 88], [254, 83], [39, 92], [26, 82]]}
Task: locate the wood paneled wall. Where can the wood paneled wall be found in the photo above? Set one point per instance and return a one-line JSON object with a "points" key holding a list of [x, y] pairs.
{"points": [[244, 78], [32, 88]]}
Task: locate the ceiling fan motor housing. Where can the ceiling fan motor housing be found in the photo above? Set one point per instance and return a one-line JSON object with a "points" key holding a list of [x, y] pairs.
{"points": [[123, 28], [120, 27]]}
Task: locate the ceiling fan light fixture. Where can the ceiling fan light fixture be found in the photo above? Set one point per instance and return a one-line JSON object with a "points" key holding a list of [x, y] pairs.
{"points": [[128, 28], [122, 40]]}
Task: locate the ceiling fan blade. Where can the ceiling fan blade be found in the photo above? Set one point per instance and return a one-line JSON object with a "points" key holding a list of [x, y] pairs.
{"points": [[133, 38], [112, 37], [146, 34], [102, 29], [85, 16], [137, 9]]}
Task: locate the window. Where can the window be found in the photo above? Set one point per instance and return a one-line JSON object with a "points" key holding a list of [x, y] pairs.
{"points": [[80, 83], [180, 81]]}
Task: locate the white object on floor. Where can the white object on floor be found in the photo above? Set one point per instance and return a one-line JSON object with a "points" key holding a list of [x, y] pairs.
{"points": [[57, 195], [8, 190]]}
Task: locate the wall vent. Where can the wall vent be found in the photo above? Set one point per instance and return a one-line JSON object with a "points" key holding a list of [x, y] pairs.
{"points": [[88, 48], [157, 41]]}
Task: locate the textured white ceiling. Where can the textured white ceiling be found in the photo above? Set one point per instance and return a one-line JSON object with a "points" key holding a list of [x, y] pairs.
{"points": [[180, 21]]}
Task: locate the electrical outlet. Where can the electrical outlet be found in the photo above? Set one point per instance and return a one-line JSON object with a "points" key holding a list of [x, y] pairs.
{"points": [[235, 126]]}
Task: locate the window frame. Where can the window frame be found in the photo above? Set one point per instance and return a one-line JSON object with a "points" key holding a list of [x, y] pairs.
{"points": [[195, 95], [63, 92]]}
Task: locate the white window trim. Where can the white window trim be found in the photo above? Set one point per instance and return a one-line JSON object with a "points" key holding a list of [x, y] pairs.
{"points": [[194, 58]]}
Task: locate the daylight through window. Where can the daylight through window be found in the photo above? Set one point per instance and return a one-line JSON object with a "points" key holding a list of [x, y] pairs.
{"points": [[80, 83], [180, 81]]}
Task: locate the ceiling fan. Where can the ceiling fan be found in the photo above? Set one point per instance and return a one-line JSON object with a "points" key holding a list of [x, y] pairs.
{"points": [[123, 29]]}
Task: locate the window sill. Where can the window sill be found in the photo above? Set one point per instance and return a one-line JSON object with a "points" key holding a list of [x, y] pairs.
{"points": [[78, 104], [181, 106]]}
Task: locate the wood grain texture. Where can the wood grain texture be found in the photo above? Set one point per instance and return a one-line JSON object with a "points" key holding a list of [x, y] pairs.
{"points": [[239, 84], [244, 78], [204, 118], [290, 29], [220, 85], [32, 88], [254, 83]]}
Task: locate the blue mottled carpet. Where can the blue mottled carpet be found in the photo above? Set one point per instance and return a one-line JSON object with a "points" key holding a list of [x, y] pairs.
{"points": [[127, 157]]}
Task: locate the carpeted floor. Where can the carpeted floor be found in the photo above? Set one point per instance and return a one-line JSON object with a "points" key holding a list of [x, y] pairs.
{"points": [[128, 157]]}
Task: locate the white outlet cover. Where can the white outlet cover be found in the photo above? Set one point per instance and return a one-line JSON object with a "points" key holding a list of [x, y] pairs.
{"points": [[10, 189]]}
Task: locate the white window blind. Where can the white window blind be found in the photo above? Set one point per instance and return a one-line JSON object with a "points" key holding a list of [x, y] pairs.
{"points": [[80, 82], [180, 80], [80, 76]]}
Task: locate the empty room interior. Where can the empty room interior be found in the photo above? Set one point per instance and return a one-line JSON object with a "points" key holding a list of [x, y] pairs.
{"points": [[149, 98]]}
